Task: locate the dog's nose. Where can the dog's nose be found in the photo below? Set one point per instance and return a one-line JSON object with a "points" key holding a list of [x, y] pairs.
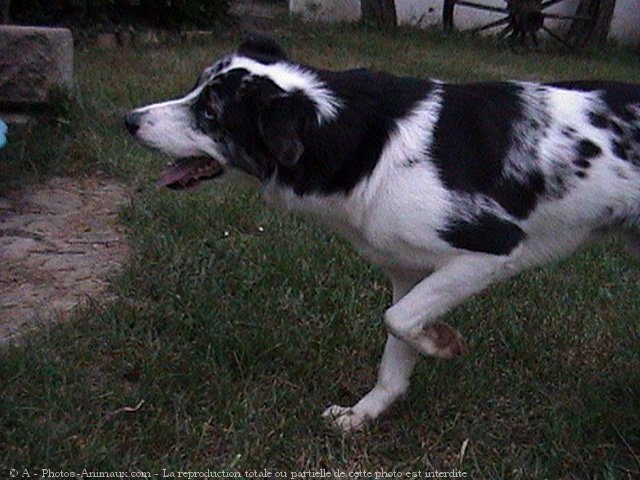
{"points": [[132, 122]]}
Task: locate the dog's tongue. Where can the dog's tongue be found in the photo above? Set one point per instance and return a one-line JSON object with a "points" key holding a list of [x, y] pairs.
{"points": [[187, 172]]}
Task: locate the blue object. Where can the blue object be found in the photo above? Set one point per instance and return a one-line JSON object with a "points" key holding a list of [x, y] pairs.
{"points": [[3, 133]]}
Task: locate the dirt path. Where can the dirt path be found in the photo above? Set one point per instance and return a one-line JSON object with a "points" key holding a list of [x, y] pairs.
{"points": [[59, 244]]}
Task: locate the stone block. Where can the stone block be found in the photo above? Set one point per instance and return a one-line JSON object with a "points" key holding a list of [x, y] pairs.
{"points": [[36, 65]]}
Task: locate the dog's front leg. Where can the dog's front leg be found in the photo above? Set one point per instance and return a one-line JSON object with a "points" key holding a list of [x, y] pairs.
{"points": [[413, 318], [413, 326], [396, 366]]}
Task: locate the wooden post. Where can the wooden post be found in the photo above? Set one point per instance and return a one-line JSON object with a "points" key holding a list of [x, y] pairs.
{"points": [[584, 33], [380, 12], [5, 9]]}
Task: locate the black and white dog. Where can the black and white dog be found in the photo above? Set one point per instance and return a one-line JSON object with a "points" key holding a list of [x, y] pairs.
{"points": [[447, 187]]}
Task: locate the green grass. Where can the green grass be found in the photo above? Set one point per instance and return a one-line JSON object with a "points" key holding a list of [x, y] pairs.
{"points": [[236, 325]]}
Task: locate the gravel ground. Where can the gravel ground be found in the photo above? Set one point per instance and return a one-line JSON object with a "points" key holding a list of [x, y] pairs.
{"points": [[60, 242]]}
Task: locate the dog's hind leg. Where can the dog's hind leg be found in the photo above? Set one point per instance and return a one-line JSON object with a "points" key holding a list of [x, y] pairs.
{"points": [[413, 318], [397, 364]]}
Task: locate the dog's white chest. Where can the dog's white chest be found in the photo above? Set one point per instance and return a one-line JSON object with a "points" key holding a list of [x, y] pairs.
{"points": [[384, 231]]}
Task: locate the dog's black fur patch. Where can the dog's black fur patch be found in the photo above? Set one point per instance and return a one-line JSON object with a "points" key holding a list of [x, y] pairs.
{"points": [[587, 150], [472, 138], [339, 155], [599, 120], [261, 48], [486, 233]]}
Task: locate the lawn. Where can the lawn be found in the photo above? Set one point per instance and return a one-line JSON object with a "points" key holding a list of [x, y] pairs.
{"points": [[234, 326]]}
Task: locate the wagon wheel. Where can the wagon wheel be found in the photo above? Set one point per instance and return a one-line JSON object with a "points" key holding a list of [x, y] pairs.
{"points": [[523, 20]]}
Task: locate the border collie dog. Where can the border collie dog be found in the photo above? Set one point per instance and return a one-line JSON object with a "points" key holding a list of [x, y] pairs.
{"points": [[448, 188]]}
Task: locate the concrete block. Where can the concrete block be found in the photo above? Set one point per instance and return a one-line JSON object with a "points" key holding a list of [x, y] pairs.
{"points": [[36, 65]]}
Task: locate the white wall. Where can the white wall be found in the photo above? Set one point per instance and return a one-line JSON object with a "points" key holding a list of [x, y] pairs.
{"points": [[625, 25], [424, 13], [327, 10], [421, 13]]}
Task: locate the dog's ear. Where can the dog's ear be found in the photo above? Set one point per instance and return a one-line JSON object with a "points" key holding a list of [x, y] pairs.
{"points": [[281, 127], [283, 118], [262, 48]]}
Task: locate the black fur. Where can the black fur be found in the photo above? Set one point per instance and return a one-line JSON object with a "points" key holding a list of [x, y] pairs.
{"points": [[486, 233], [261, 48], [472, 138], [587, 150], [339, 155]]}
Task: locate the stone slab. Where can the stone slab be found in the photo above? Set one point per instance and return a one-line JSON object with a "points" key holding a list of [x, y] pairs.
{"points": [[36, 65], [14, 119]]}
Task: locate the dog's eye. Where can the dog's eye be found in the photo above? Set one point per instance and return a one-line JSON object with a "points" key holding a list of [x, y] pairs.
{"points": [[212, 110], [210, 113], [212, 106]]}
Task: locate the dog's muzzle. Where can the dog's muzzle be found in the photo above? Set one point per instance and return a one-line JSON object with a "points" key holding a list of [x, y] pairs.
{"points": [[181, 173]]}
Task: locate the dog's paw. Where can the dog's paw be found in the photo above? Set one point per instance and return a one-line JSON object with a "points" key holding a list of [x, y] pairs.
{"points": [[345, 419], [439, 340]]}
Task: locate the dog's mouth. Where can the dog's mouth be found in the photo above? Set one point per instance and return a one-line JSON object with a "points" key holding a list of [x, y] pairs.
{"points": [[186, 173]]}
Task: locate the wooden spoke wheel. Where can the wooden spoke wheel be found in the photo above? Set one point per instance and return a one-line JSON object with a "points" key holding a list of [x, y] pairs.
{"points": [[523, 21]]}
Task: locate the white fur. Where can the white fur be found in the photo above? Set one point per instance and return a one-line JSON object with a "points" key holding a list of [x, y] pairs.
{"points": [[291, 77], [167, 127]]}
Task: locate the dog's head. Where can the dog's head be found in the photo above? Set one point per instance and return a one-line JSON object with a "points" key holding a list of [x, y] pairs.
{"points": [[252, 110]]}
